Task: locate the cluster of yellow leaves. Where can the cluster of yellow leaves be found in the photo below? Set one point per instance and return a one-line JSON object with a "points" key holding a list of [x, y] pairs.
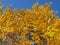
{"points": [[39, 22]]}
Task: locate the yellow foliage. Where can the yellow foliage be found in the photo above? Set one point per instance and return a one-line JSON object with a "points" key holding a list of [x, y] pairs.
{"points": [[30, 25]]}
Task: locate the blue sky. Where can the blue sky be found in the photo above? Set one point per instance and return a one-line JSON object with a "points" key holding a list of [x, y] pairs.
{"points": [[28, 4]]}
